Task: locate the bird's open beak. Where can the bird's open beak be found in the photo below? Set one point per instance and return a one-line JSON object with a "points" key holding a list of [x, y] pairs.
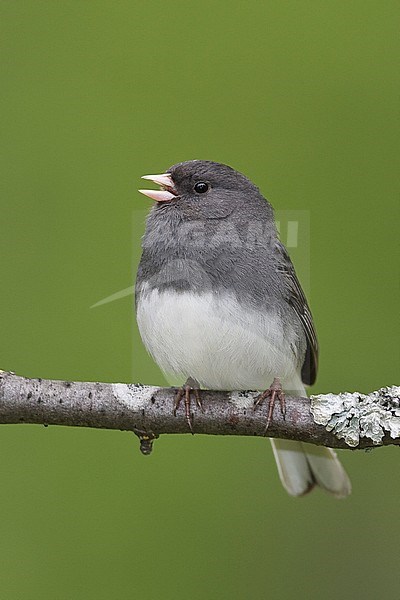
{"points": [[164, 195]]}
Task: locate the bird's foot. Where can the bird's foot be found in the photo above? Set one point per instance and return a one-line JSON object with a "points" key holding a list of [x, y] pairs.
{"points": [[273, 393], [184, 392]]}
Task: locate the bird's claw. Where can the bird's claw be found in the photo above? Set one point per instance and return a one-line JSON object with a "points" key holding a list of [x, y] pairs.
{"points": [[273, 393], [184, 393]]}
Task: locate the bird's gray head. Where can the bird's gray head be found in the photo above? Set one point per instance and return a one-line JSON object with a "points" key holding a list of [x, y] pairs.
{"points": [[206, 190], [210, 226]]}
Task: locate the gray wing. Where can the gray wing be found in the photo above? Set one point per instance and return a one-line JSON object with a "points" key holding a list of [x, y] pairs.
{"points": [[298, 302]]}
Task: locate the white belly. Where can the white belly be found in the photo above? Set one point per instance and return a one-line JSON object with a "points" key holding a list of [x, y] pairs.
{"points": [[215, 341]]}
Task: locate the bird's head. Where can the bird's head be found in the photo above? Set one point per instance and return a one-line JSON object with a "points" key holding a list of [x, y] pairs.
{"points": [[201, 189]]}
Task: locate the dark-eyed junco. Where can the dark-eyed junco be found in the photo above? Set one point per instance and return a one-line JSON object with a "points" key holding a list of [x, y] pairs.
{"points": [[219, 304]]}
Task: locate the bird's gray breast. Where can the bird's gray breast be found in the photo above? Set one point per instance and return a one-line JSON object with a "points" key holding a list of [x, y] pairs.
{"points": [[218, 255]]}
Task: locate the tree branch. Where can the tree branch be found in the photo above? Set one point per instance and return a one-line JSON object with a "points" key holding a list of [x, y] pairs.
{"points": [[338, 421]]}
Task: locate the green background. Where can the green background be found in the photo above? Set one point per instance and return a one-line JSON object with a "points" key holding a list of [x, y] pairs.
{"points": [[301, 97]]}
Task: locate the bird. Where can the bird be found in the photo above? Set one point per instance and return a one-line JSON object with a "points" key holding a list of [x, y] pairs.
{"points": [[219, 305]]}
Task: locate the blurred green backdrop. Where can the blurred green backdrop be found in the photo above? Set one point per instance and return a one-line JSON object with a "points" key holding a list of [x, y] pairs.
{"points": [[300, 96]]}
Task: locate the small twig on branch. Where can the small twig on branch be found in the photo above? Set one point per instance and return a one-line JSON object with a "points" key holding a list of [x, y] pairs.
{"points": [[338, 421]]}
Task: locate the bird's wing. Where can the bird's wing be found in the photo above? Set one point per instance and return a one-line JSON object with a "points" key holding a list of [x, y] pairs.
{"points": [[298, 302]]}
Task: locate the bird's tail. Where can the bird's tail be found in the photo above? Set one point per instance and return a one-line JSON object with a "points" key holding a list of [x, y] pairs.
{"points": [[302, 466]]}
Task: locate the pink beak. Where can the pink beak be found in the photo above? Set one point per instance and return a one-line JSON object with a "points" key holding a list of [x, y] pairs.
{"points": [[164, 195]]}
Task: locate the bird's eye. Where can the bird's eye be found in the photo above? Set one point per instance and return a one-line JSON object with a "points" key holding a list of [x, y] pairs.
{"points": [[201, 187]]}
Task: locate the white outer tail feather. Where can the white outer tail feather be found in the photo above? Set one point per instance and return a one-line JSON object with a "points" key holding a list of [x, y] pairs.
{"points": [[302, 466]]}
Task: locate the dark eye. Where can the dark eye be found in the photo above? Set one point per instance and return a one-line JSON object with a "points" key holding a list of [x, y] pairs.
{"points": [[201, 187]]}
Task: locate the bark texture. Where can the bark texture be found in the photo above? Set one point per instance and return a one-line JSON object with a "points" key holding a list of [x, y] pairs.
{"points": [[148, 411]]}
